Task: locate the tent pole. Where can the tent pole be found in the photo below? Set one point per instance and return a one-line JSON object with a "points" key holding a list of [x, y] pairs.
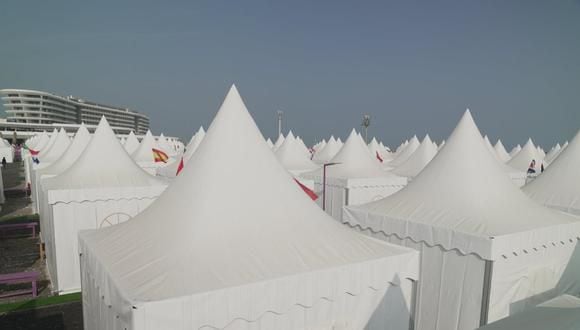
{"points": [[413, 305], [486, 292]]}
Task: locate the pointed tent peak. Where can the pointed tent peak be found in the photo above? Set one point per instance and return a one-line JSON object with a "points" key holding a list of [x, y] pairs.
{"points": [[290, 135], [374, 140], [339, 140], [427, 139], [332, 138], [200, 130], [353, 132]]}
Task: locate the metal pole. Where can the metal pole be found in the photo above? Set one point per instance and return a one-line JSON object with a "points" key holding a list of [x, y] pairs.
{"points": [[279, 122], [324, 187], [366, 123]]}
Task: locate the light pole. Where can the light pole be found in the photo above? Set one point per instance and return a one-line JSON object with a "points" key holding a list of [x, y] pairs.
{"points": [[324, 183], [366, 123], [280, 122]]}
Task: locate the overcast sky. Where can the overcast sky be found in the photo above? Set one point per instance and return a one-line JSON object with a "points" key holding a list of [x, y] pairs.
{"points": [[414, 66]]}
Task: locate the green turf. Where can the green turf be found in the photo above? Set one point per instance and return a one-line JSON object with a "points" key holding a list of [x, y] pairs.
{"points": [[20, 218], [39, 302]]}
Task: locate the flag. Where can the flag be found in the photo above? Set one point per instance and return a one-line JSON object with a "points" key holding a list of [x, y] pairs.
{"points": [[307, 190], [159, 156], [32, 152], [179, 167], [379, 157]]}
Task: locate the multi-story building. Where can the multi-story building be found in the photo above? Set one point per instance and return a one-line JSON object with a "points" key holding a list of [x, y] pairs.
{"points": [[36, 107]]}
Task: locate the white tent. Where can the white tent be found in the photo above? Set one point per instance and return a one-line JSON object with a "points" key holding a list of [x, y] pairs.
{"points": [[48, 144], [165, 146], [515, 150], [193, 144], [131, 143], [356, 178], [101, 188], [487, 250], [418, 160], [502, 154], [325, 154], [522, 160], [6, 151], [270, 144], [55, 151], [291, 155], [379, 152], [278, 142], [240, 247], [405, 152], [553, 153], [559, 186], [561, 313], [144, 157]]}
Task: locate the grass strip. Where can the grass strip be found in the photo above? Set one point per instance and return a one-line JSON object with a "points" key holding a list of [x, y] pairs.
{"points": [[39, 302]]}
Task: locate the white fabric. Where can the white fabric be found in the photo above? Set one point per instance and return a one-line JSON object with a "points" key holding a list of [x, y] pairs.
{"points": [[144, 153], [553, 153], [405, 152], [329, 150], [291, 155], [193, 144], [58, 147], [502, 154], [131, 143], [418, 160], [560, 313], [521, 161], [462, 202], [227, 243], [165, 146], [278, 142], [559, 186]]}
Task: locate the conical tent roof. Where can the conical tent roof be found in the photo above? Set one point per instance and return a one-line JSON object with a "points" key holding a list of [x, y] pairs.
{"points": [[405, 152], [375, 148], [325, 154], [521, 161], [194, 144], [164, 145], [292, 157], [270, 144], [278, 142], [500, 151], [77, 146], [354, 161], [418, 160], [131, 143], [144, 153], [256, 223], [49, 143], [553, 153], [52, 153], [515, 150], [559, 185], [490, 147], [103, 163], [463, 200]]}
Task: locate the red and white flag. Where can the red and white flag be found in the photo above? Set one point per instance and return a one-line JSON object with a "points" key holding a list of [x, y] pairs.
{"points": [[379, 157], [307, 190], [179, 167]]}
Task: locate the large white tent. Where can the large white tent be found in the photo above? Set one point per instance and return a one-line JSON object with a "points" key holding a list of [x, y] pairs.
{"points": [[240, 247], [291, 155], [52, 153], [487, 250], [561, 313], [559, 186], [553, 153], [405, 152], [502, 154], [355, 178], [418, 160], [101, 188], [379, 152], [278, 142], [6, 151]]}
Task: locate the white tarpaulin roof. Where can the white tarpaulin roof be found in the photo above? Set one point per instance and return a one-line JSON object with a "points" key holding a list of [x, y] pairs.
{"points": [[144, 153], [561, 313], [418, 160], [404, 153], [559, 185], [49, 143], [521, 161], [233, 239], [278, 142], [291, 155], [103, 163], [77, 146], [131, 143], [463, 200], [502, 154], [193, 144], [325, 154], [55, 151], [553, 153]]}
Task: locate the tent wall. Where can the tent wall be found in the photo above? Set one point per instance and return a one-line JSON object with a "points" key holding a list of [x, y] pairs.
{"points": [[65, 220], [528, 279], [8, 153], [450, 287]]}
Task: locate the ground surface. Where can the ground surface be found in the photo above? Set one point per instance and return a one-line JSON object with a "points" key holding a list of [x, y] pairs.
{"points": [[19, 253]]}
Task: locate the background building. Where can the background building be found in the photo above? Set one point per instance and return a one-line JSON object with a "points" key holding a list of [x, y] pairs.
{"points": [[37, 108]]}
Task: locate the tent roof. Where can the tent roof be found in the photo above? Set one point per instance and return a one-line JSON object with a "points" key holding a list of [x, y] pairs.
{"points": [[559, 185], [560, 313], [193, 144], [58, 147], [418, 160], [131, 143], [227, 225], [502, 154], [278, 142], [77, 146], [405, 152], [164, 144], [463, 200], [327, 152], [103, 163], [291, 155], [144, 152], [48, 143], [521, 161]]}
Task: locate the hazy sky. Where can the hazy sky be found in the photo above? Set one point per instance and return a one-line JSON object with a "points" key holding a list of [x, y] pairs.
{"points": [[414, 66]]}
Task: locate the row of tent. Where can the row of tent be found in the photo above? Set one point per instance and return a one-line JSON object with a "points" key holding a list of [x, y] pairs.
{"points": [[437, 237]]}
